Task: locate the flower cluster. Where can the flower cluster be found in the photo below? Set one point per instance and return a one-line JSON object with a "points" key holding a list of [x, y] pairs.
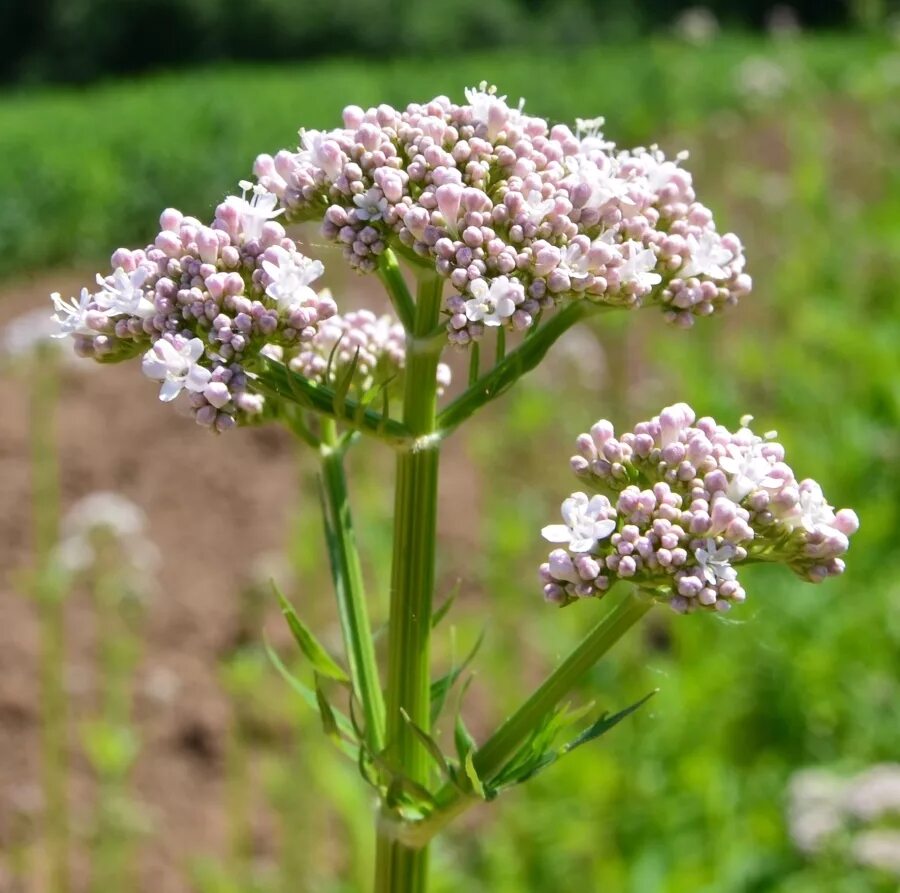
{"points": [[102, 521], [517, 214], [376, 344], [824, 808], [683, 501], [200, 305]]}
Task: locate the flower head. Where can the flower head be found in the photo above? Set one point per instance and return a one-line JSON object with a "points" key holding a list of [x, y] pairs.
{"points": [[480, 191], [684, 502], [203, 306]]}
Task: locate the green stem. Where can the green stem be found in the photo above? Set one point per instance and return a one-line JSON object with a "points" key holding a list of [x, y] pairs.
{"points": [[391, 275], [511, 367], [350, 590], [400, 869], [502, 745], [49, 594]]}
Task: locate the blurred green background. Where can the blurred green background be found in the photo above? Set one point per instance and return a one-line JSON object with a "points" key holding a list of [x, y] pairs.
{"points": [[794, 139]]}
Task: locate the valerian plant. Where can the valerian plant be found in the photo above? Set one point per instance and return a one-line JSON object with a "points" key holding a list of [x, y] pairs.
{"points": [[511, 230]]}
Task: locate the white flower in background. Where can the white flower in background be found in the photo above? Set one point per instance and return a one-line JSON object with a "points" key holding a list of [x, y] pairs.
{"points": [[697, 25], [491, 304], [371, 205], [715, 562], [110, 514], [707, 257], [71, 316], [291, 276], [26, 333], [638, 267], [123, 293], [585, 523], [254, 213], [176, 367]]}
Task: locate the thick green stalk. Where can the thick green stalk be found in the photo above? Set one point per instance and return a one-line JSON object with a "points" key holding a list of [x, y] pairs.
{"points": [[400, 869], [48, 591], [489, 759], [348, 581]]}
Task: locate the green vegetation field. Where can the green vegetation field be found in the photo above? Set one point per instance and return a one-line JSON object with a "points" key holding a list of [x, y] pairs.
{"points": [[795, 145]]}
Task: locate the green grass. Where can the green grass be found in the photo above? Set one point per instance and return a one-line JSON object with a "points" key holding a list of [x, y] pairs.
{"points": [[688, 796]]}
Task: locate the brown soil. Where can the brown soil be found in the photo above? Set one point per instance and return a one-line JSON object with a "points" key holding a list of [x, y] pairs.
{"points": [[215, 506]]}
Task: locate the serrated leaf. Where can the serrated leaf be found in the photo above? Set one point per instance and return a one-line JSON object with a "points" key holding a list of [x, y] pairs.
{"points": [[321, 660], [434, 750]]}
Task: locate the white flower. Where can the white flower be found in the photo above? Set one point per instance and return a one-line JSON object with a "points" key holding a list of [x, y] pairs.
{"points": [[584, 527], [814, 510], [537, 207], [493, 303], [638, 267], [749, 471], [714, 562], [371, 205], [123, 293], [322, 151], [589, 131], [71, 315], [605, 186], [291, 277], [490, 109], [706, 258], [176, 367], [257, 211]]}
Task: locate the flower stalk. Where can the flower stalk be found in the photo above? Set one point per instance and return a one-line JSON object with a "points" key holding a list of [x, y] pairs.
{"points": [[402, 869], [349, 587]]}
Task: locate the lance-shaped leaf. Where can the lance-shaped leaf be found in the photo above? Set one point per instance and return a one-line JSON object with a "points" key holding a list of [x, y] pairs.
{"points": [[440, 688], [315, 653], [446, 605], [433, 748], [348, 741], [532, 758]]}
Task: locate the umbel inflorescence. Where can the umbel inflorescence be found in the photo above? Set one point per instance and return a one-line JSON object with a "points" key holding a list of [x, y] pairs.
{"points": [[520, 217], [678, 504]]}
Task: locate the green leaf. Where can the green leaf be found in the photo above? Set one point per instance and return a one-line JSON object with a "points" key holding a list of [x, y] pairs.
{"points": [[463, 739], [446, 605], [342, 386], [329, 722], [440, 688], [315, 653], [472, 774], [605, 723], [434, 750], [350, 741]]}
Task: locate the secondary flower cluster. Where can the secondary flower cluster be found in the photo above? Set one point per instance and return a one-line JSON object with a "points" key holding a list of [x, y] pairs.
{"points": [[679, 503], [517, 214], [377, 344], [201, 303], [828, 813]]}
